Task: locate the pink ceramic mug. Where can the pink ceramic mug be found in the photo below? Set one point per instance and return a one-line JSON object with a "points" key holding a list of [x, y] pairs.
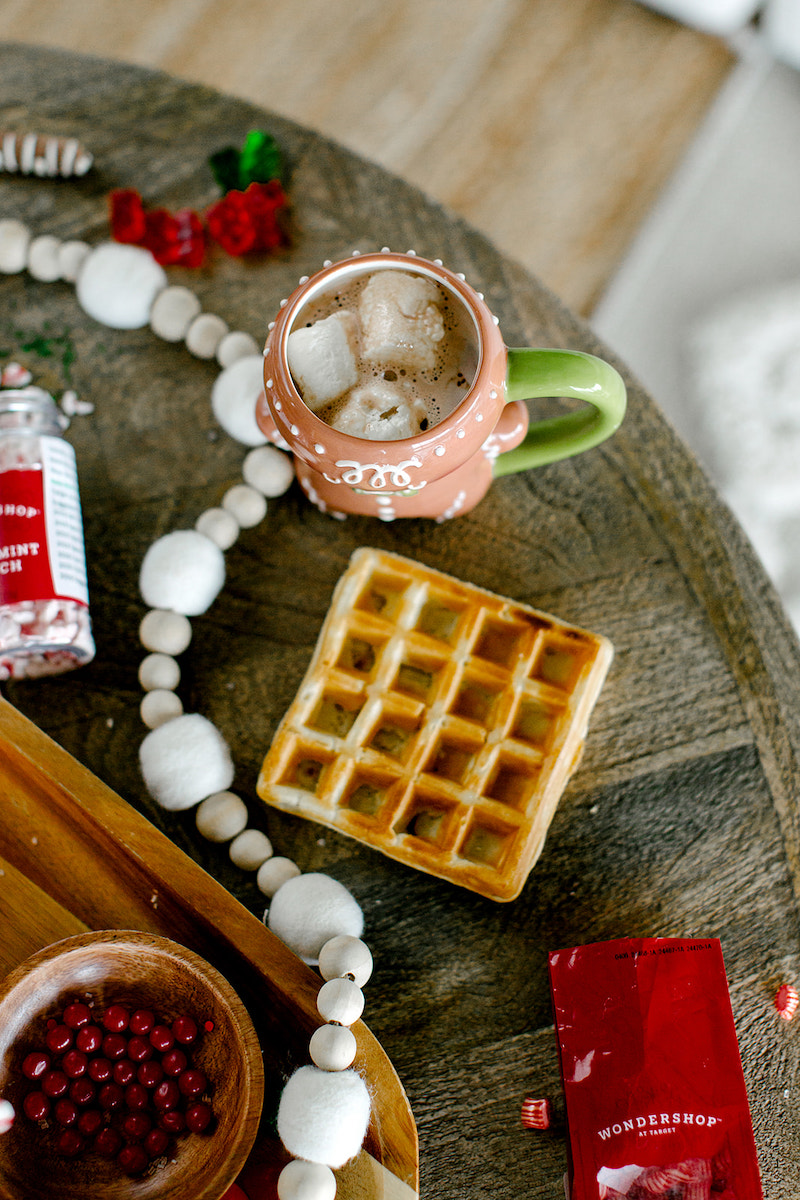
{"points": [[445, 469]]}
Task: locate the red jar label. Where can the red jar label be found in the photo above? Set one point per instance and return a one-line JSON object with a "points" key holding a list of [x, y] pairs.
{"points": [[41, 536]]}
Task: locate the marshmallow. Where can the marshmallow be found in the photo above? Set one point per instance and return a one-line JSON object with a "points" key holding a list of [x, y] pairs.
{"points": [[322, 358], [173, 311], [268, 470], [401, 324], [380, 411]]}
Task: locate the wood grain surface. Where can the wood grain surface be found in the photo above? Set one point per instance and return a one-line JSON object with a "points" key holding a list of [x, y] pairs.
{"points": [[551, 126], [682, 819]]}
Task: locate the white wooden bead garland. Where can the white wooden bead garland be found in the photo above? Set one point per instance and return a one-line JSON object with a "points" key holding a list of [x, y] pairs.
{"points": [[325, 1107]]}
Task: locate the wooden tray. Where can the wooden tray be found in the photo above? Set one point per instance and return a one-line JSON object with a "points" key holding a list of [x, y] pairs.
{"points": [[74, 856]]}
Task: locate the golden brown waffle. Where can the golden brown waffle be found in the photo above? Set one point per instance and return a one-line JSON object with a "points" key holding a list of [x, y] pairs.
{"points": [[437, 722]]}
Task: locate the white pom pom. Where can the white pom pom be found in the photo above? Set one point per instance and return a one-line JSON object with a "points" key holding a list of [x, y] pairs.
{"points": [[307, 911], [245, 504], [306, 1181], [332, 1047], [323, 1116], [218, 525], [159, 706], [221, 816], [183, 571], [165, 632], [274, 873], [234, 396], [184, 761], [268, 470], [14, 241], [117, 285], [159, 671]]}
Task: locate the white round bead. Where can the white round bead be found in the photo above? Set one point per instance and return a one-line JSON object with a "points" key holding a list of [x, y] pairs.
{"points": [[234, 396], [250, 850], [172, 313], [323, 1116], [340, 1000], [332, 1047], [235, 345], [7, 1116], [184, 761], [311, 909], [71, 257], [43, 261], [218, 525], [346, 956], [306, 1181], [159, 671], [204, 335], [183, 571], [159, 706], [221, 816], [118, 283], [245, 504], [165, 632], [268, 470], [274, 873], [14, 241]]}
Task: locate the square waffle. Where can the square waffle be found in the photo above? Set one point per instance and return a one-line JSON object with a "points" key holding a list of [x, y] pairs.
{"points": [[437, 722]]}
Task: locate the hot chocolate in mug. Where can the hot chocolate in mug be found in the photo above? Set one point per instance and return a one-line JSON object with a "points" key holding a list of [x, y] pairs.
{"points": [[465, 389]]}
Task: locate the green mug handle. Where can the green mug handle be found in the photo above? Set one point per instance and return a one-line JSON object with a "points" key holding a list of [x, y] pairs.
{"points": [[542, 372]]}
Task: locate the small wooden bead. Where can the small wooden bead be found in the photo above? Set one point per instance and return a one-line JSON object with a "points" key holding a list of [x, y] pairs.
{"points": [[346, 956], [219, 525], [159, 706], [43, 261], [14, 241], [268, 470], [274, 873], [250, 849], [333, 1047], [301, 1180], [204, 335], [71, 257], [235, 345], [159, 671], [245, 504], [340, 1000], [172, 313], [221, 817], [164, 631]]}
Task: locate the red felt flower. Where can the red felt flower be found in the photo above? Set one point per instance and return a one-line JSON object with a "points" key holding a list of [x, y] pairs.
{"points": [[127, 215], [247, 222]]}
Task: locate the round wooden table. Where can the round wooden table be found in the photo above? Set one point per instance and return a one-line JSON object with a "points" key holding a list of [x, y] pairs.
{"points": [[682, 819]]}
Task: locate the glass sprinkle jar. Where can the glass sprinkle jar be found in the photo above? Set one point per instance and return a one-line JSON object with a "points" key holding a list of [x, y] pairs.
{"points": [[45, 626]]}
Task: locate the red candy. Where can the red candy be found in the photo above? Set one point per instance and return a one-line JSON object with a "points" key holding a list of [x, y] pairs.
{"points": [[786, 1001], [77, 1015], [536, 1113], [116, 1083]]}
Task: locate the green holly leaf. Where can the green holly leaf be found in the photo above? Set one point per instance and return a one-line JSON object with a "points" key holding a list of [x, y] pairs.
{"points": [[225, 168], [260, 160]]}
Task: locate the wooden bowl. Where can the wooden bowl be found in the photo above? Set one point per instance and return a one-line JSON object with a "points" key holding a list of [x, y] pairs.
{"points": [[137, 970]]}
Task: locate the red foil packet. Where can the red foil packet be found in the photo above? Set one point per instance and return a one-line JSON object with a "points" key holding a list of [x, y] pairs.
{"points": [[655, 1096]]}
